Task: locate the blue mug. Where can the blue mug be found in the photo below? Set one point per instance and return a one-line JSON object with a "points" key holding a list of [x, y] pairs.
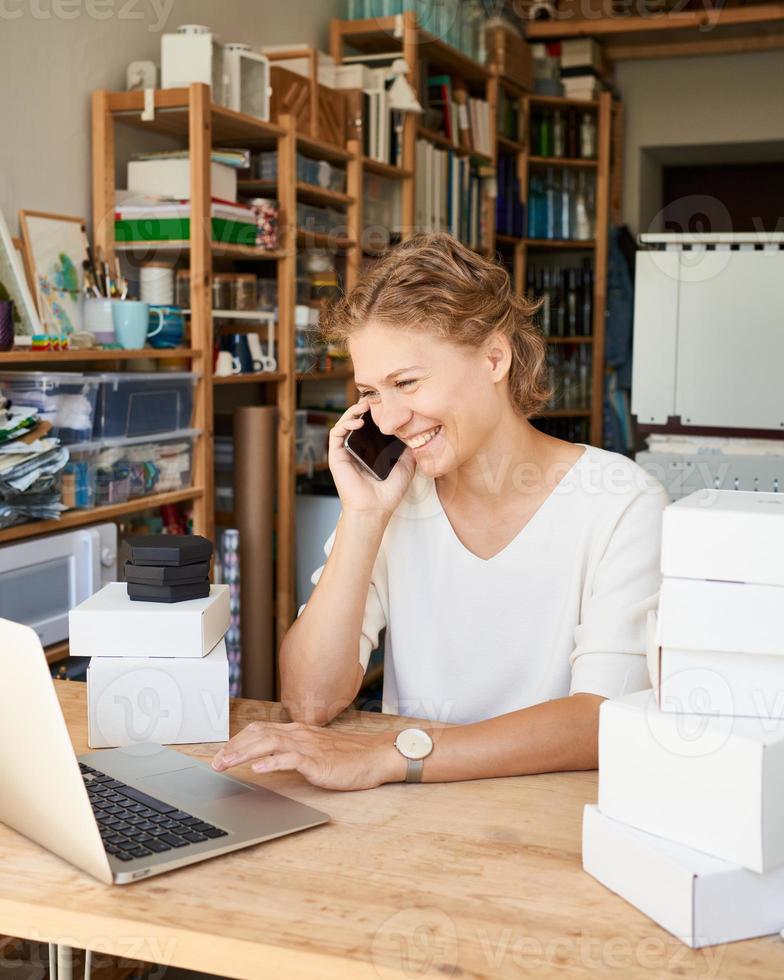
{"points": [[171, 321], [132, 323], [237, 345]]}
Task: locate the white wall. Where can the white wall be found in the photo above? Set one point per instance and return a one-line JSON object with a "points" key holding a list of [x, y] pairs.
{"points": [[713, 99], [51, 60]]}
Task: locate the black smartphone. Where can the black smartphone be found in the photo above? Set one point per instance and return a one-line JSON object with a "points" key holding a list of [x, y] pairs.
{"points": [[375, 452]]}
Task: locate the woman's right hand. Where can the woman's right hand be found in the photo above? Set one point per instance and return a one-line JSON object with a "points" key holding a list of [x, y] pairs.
{"points": [[359, 491]]}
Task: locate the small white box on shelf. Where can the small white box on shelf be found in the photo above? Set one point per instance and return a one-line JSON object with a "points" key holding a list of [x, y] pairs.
{"points": [[699, 899], [192, 55], [729, 535], [695, 614], [172, 178], [110, 624], [715, 784], [166, 700]]}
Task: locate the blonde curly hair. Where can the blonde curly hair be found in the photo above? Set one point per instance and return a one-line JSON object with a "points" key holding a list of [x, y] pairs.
{"points": [[434, 282]]}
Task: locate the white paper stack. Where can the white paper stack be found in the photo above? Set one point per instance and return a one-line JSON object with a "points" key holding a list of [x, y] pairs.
{"points": [[690, 820], [158, 671]]}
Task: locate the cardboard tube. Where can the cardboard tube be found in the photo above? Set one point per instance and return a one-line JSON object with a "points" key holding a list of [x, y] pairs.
{"points": [[254, 510]]}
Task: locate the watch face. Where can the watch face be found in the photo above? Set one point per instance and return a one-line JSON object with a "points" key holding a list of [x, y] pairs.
{"points": [[413, 743]]}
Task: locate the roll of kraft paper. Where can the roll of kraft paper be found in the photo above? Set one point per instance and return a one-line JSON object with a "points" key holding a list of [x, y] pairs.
{"points": [[254, 508]]}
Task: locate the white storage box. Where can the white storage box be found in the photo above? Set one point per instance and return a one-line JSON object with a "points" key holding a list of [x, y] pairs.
{"points": [[167, 700], [699, 899], [744, 685], [172, 178], [728, 616], [715, 784], [109, 624], [730, 535]]}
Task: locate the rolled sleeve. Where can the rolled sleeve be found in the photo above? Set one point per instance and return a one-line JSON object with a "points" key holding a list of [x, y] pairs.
{"points": [[609, 658], [373, 618]]}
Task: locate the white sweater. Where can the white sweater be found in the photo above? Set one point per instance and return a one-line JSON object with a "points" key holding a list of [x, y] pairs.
{"points": [[561, 609]]}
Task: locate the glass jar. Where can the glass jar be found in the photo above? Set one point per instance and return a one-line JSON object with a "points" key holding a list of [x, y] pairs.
{"points": [[243, 292], [222, 291]]}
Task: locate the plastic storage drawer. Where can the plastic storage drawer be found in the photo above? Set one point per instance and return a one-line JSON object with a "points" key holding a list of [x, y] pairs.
{"points": [[134, 404], [66, 399], [113, 471]]}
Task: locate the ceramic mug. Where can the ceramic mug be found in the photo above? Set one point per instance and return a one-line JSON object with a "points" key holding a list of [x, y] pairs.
{"points": [[261, 361], [237, 345], [98, 318], [226, 363], [132, 323], [172, 323]]}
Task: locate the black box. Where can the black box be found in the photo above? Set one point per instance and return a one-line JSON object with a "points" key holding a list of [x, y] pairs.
{"points": [[168, 593], [173, 550], [167, 574]]}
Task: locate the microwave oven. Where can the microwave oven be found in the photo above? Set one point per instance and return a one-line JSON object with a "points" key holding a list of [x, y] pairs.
{"points": [[43, 578]]}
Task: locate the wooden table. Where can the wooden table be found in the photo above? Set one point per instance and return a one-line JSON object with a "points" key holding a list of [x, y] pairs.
{"points": [[474, 879]]}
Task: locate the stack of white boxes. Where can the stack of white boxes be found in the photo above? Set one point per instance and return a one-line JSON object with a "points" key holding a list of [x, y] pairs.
{"points": [[690, 821], [158, 671]]}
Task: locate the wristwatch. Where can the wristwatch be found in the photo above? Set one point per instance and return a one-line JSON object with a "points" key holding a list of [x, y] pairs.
{"points": [[415, 746]]}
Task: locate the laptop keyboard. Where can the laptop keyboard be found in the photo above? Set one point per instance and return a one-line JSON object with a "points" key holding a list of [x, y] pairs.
{"points": [[135, 825]]}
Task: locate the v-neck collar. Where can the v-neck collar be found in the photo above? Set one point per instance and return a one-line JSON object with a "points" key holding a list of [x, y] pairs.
{"points": [[486, 561]]}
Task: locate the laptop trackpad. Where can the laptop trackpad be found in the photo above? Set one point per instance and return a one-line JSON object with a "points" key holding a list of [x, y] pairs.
{"points": [[195, 783]]}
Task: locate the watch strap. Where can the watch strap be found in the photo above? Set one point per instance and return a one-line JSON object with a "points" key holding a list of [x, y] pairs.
{"points": [[414, 770]]}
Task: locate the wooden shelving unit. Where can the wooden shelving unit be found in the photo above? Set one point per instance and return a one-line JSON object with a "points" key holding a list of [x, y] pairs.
{"points": [[721, 30], [522, 249], [189, 114]]}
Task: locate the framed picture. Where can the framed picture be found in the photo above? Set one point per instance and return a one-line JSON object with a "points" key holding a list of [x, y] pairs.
{"points": [[55, 246], [13, 284]]}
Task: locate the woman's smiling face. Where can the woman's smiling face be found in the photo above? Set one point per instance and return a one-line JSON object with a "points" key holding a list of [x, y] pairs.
{"points": [[441, 399]]}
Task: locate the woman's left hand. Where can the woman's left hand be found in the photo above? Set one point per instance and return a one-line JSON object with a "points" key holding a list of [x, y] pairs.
{"points": [[325, 757]]}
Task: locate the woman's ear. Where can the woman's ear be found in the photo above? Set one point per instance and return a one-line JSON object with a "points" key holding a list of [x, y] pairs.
{"points": [[499, 354]]}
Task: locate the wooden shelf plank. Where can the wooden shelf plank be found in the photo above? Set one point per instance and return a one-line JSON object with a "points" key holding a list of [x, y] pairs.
{"points": [[569, 340], [560, 102], [385, 169], [561, 162], [171, 117], [56, 652], [304, 469], [80, 518], [321, 239], [324, 151], [306, 192], [339, 374], [50, 357], [255, 377], [219, 249], [759, 16], [509, 145], [440, 140], [502, 239], [554, 244]]}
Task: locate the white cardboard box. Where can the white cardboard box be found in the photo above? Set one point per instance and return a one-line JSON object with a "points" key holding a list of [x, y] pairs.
{"points": [[109, 624], [715, 784], [729, 616], [745, 685], [170, 701], [172, 178], [699, 899], [730, 535]]}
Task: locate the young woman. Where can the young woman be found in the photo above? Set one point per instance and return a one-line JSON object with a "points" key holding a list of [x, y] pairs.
{"points": [[513, 571]]}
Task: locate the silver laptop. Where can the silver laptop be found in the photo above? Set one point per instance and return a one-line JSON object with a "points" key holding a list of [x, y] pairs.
{"points": [[119, 814]]}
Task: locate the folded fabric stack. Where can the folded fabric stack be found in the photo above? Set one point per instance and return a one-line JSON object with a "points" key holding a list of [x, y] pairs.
{"points": [[690, 821], [30, 459], [168, 568]]}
